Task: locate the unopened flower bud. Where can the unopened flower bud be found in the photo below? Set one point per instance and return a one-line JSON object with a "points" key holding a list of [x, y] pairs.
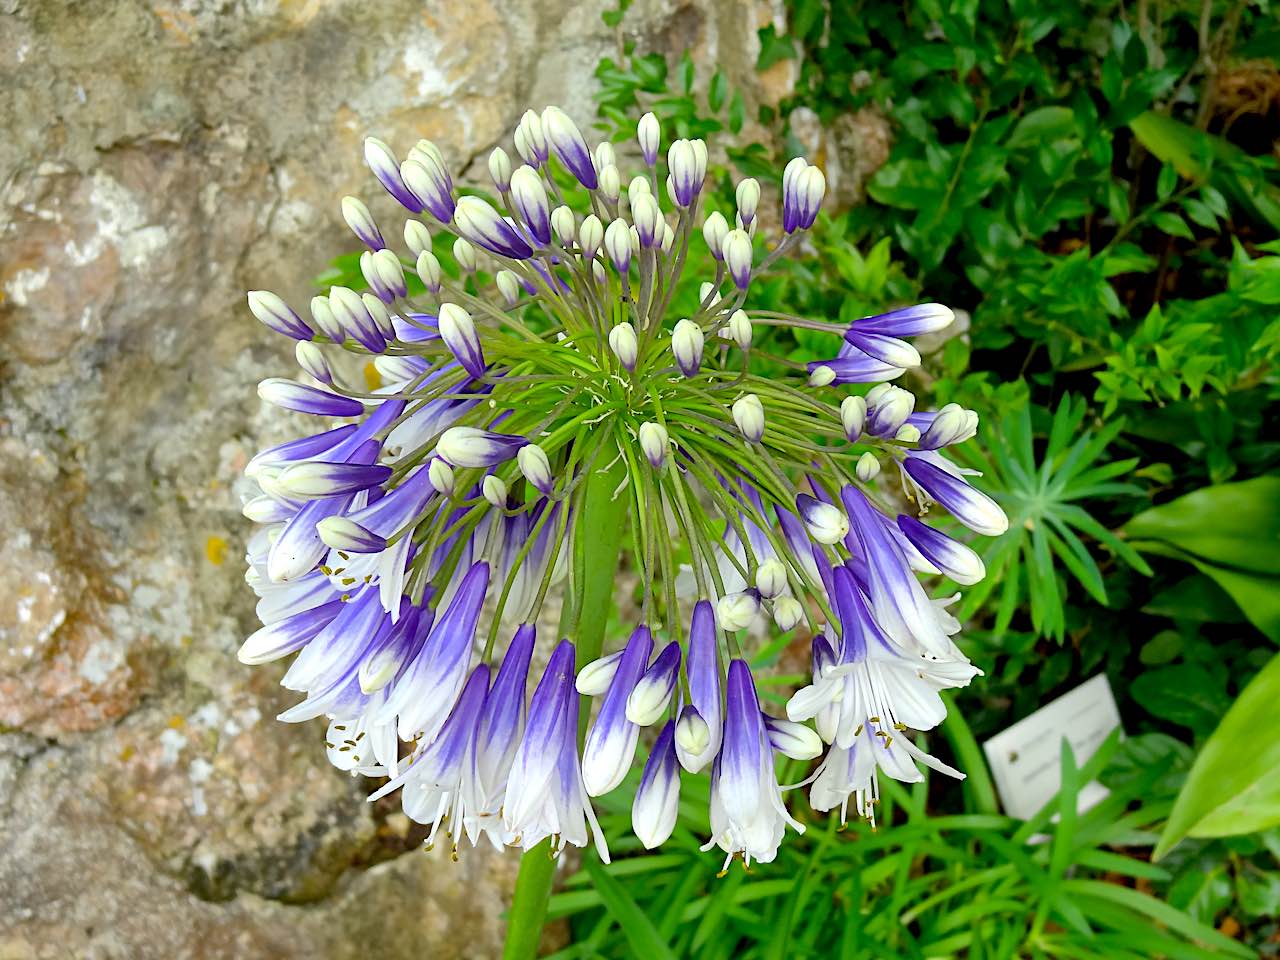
{"points": [[508, 286], [324, 321], [278, 315], [311, 359], [737, 257], [811, 188], [474, 447], [888, 408], [380, 315], [563, 225], [714, 229], [771, 578], [787, 612], [947, 556], [361, 222], [687, 162], [426, 152], [382, 161], [265, 509], [533, 463], [740, 329], [617, 244], [610, 183], [649, 135], [650, 697], [500, 169], [821, 376], [350, 310], [638, 187], [792, 739], [531, 142], [735, 611], [480, 223], [693, 736], [604, 155], [648, 220], [385, 275], [313, 479], [868, 467], [595, 677], [416, 236], [465, 254], [430, 182], [803, 188], [458, 331], [907, 433], [952, 424], [529, 198], [668, 237], [748, 197], [441, 476], [853, 416], [705, 291], [494, 490], [654, 442], [687, 342], [622, 341], [429, 271], [748, 414], [570, 147], [590, 235], [825, 521], [348, 536]]}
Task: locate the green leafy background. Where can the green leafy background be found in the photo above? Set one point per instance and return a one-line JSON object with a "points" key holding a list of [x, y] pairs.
{"points": [[1083, 182], [1091, 187]]}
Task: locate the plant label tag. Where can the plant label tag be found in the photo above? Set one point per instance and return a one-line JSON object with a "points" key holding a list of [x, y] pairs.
{"points": [[1026, 758]]}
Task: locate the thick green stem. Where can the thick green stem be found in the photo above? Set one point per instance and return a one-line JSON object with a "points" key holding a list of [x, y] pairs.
{"points": [[598, 535]]}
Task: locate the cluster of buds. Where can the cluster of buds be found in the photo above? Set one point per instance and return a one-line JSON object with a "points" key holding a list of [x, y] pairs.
{"points": [[428, 519]]}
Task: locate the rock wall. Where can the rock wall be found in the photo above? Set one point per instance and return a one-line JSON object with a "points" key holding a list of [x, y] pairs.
{"points": [[158, 160]]}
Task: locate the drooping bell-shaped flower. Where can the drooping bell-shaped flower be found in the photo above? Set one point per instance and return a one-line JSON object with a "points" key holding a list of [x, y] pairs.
{"points": [[611, 742], [657, 800], [748, 817], [424, 693], [546, 794], [497, 738]]}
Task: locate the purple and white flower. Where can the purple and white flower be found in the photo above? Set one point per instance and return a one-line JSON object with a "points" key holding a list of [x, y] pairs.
{"points": [[504, 434]]}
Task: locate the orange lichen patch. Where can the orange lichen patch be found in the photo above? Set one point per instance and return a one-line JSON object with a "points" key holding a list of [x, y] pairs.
{"points": [[127, 753], [372, 378], [177, 722], [215, 549], [176, 23]]}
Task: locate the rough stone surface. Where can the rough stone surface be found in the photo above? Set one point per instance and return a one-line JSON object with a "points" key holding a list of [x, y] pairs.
{"points": [[158, 160]]}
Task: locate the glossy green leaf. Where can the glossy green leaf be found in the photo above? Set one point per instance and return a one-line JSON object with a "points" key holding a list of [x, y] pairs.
{"points": [[1184, 694], [1041, 126], [1198, 155], [1231, 532], [1233, 787]]}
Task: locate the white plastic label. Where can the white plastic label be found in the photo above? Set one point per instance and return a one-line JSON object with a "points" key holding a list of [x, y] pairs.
{"points": [[1026, 759]]}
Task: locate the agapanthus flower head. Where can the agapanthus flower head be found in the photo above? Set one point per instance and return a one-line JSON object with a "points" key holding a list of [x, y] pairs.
{"points": [[410, 542]]}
